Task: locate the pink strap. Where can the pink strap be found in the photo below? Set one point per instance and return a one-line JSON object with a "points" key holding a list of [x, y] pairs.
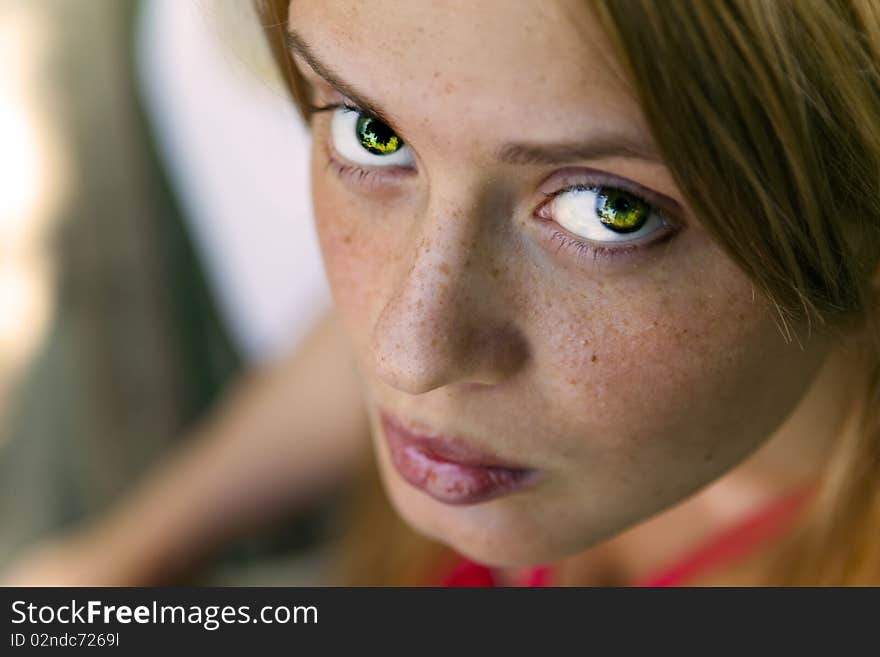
{"points": [[469, 573], [726, 547], [732, 543], [539, 576]]}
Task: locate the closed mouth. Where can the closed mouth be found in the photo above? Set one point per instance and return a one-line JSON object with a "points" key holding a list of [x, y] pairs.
{"points": [[447, 468]]}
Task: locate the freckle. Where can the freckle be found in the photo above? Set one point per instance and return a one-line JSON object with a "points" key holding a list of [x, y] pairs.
{"points": [[443, 267], [573, 382], [419, 304], [586, 342], [594, 358], [433, 342], [467, 263], [397, 345], [654, 323], [347, 239], [496, 272]]}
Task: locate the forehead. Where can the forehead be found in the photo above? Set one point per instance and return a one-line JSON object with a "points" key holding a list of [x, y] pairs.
{"points": [[493, 61]]}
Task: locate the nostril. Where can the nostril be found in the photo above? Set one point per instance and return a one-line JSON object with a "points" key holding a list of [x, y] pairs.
{"points": [[442, 325], [416, 360], [411, 373], [501, 352]]}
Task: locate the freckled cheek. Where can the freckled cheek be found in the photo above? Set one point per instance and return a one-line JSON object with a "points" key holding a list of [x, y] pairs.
{"points": [[668, 369], [355, 261]]}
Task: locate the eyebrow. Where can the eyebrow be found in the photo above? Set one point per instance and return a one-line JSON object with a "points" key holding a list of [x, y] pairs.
{"points": [[596, 148], [300, 46]]}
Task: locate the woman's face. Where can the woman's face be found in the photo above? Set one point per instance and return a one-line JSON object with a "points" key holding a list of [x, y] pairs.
{"points": [[551, 345]]}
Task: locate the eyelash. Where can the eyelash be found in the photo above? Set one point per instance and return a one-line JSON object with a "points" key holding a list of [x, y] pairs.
{"points": [[583, 250]]}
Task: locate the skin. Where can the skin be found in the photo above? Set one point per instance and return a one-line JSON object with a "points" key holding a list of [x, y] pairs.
{"points": [[630, 382]]}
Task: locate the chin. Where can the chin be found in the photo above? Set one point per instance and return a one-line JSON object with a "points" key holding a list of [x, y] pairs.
{"points": [[500, 533]]}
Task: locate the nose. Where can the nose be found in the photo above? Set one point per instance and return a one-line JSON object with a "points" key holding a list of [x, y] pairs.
{"points": [[445, 321]]}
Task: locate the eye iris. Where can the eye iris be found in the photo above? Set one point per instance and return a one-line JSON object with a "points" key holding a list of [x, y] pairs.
{"points": [[376, 137], [621, 212]]}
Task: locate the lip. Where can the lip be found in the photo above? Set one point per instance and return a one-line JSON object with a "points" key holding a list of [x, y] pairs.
{"points": [[448, 469]]}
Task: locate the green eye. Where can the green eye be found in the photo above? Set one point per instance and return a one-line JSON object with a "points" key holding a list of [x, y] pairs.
{"points": [[376, 137], [619, 211]]}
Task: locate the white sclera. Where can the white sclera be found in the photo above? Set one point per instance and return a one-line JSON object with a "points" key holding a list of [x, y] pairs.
{"points": [[575, 210]]}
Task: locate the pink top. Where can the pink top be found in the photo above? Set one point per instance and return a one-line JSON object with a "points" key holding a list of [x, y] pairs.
{"points": [[725, 547]]}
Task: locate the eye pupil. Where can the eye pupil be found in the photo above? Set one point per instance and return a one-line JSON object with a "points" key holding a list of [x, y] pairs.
{"points": [[621, 212], [376, 137]]}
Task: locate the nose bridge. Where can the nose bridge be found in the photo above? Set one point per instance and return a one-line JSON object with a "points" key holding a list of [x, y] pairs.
{"points": [[438, 325]]}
